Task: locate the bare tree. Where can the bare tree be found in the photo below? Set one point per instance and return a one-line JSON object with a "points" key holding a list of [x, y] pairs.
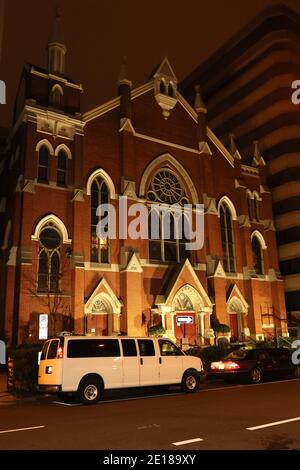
{"points": [[53, 300]]}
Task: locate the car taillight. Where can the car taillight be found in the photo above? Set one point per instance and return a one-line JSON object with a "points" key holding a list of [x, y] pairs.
{"points": [[60, 353], [231, 365], [215, 365]]}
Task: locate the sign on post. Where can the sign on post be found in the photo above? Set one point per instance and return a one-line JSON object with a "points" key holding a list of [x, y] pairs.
{"points": [[185, 320], [2, 352], [43, 326]]}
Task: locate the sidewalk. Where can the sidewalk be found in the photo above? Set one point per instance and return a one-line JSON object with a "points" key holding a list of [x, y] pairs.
{"points": [[6, 398]]}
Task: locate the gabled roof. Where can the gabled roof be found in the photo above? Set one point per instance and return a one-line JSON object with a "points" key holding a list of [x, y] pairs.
{"points": [[145, 88], [165, 69]]}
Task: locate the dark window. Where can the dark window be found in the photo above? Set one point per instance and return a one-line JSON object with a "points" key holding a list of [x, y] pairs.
{"points": [[129, 347], [146, 347], [281, 355], [43, 165], [168, 349], [239, 354], [44, 350], [154, 224], [170, 90], [249, 203], [256, 208], [93, 348], [99, 246], [162, 87], [49, 260], [262, 356], [62, 160], [170, 244], [52, 351], [227, 239], [43, 271], [257, 256]]}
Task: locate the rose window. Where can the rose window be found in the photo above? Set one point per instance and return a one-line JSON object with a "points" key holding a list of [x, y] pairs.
{"points": [[165, 187]]}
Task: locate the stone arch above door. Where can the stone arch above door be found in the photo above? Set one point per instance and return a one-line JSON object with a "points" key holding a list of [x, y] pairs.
{"points": [[102, 310], [187, 296]]}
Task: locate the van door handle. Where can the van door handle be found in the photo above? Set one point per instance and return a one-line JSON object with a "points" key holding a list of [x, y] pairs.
{"points": [[141, 361], [160, 360]]}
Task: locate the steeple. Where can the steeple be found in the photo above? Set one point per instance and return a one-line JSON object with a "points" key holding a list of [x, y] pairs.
{"points": [[56, 48], [233, 148], [123, 75], [199, 106], [257, 158]]}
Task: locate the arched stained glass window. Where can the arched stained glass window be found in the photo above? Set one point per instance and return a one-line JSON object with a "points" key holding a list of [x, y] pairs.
{"points": [[227, 238], [99, 246]]}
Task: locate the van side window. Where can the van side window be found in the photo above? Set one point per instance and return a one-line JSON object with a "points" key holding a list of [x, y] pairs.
{"points": [[52, 351], [146, 347], [129, 347], [168, 349], [93, 348]]}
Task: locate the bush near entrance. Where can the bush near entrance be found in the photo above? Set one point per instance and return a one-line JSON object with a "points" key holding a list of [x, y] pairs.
{"points": [[25, 368], [156, 330]]}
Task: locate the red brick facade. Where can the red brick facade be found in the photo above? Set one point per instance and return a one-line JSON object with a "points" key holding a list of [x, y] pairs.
{"points": [[125, 143]]}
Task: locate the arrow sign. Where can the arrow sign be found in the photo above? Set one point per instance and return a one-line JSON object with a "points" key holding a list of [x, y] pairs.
{"points": [[185, 319]]}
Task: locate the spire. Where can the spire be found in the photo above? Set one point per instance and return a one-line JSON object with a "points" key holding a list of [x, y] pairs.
{"points": [[56, 47], [233, 148], [199, 105], [123, 75], [257, 158]]}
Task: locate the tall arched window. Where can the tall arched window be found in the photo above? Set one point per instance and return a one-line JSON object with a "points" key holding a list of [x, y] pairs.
{"points": [[166, 188], [43, 164], [62, 161], [154, 228], [258, 262], [99, 246], [49, 260], [170, 242], [227, 238], [249, 204], [256, 208]]}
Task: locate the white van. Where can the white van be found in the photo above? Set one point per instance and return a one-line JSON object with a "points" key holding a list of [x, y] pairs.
{"points": [[89, 365]]}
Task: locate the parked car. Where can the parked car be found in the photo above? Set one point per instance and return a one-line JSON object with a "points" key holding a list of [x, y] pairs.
{"points": [[254, 365], [89, 365]]}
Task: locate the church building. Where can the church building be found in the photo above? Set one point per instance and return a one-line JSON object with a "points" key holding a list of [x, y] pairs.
{"points": [[147, 145]]}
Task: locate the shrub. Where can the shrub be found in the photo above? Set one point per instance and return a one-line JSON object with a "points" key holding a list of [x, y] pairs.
{"points": [[25, 368], [210, 354], [221, 328], [156, 330]]}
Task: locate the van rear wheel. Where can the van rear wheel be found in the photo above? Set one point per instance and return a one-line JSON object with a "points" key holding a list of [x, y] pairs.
{"points": [[90, 390], [190, 382]]}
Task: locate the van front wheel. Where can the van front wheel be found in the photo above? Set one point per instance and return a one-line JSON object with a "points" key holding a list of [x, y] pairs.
{"points": [[90, 390], [190, 382]]}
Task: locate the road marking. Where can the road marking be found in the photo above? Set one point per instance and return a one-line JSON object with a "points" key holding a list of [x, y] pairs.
{"points": [[189, 441], [276, 423], [66, 404], [21, 429], [149, 426]]}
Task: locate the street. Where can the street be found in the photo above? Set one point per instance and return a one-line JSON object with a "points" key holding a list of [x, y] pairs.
{"points": [[264, 416]]}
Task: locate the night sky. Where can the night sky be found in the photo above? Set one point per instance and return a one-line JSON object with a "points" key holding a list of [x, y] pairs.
{"points": [[99, 33]]}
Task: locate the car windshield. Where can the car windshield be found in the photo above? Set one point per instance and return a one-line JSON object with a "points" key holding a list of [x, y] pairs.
{"points": [[239, 354]]}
